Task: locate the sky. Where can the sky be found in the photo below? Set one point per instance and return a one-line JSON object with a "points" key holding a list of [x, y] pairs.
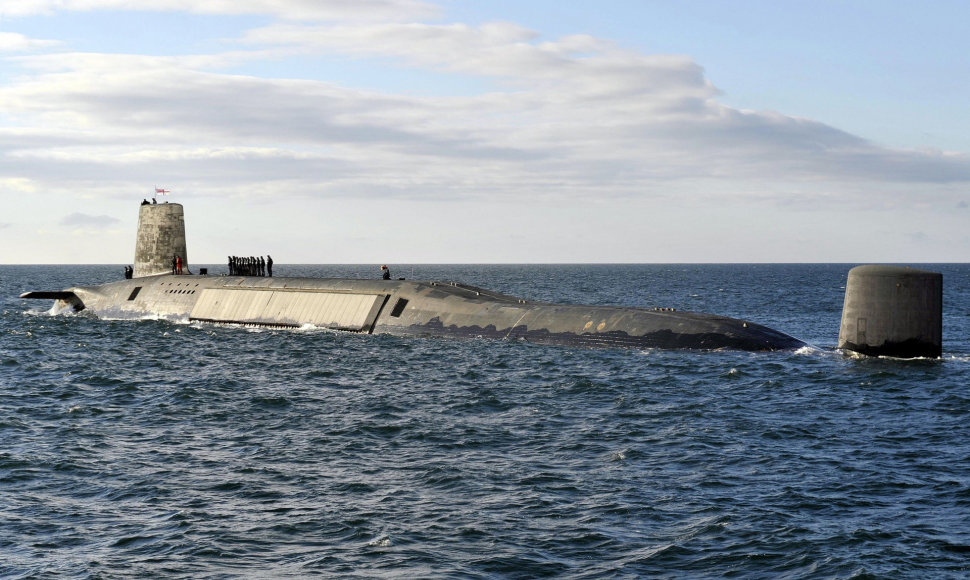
{"points": [[461, 131]]}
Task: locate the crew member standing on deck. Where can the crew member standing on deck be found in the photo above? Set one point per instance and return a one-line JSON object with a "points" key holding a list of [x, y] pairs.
{"points": [[385, 273], [269, 265]]}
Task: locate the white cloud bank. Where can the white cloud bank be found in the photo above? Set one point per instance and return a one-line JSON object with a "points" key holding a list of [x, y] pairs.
{"points": [[573, 122]]}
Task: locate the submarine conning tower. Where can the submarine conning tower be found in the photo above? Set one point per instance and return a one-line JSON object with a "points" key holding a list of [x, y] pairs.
{"points": [[161, 235], [893, 311]]}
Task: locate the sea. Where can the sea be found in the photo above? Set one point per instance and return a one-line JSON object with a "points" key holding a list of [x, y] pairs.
{"points": [[174, 449]]}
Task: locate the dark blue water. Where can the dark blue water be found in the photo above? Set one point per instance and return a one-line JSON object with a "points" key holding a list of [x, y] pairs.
{"points": [[156, 449]]}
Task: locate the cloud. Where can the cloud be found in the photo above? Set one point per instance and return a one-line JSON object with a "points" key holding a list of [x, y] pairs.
{"points": [[13, 42], [603, 123], [582, 64], [289, 9], [80, 220], [17, 185], [566, 118]]}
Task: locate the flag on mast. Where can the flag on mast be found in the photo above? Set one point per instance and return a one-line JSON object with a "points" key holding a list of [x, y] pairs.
{"points": [[161, 191]]}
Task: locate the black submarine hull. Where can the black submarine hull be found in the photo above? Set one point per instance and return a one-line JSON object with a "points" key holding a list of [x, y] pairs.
{"points": [[412, 308]]}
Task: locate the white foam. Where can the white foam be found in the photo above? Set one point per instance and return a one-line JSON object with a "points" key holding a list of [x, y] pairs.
{"points": [[381, 542], [52, 311], [915, 358], [859, 355]]}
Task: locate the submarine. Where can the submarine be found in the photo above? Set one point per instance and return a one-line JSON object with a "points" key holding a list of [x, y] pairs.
{"points": [[396, 307], [412, 308]]}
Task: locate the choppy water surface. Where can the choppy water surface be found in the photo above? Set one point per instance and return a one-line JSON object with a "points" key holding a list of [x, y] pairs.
{"points": [[156, 449]]}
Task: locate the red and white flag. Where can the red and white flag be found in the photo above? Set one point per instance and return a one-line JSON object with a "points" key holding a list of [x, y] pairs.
{"points": [[161, 191]]}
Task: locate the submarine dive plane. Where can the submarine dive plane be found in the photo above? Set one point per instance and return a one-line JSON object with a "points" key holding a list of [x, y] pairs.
{"points": [[396, 307]]}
